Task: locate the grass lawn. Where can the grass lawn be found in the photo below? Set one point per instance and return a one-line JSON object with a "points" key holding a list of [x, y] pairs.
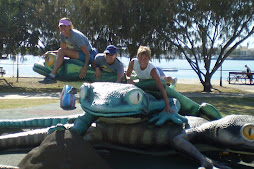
{"points": [[29, 85], [226, 105], [19, 103], [229, 105]]}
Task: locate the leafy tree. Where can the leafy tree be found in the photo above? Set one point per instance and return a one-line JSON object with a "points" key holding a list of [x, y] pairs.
{"points": [[202, 29], [15, 35], [133, 23]]}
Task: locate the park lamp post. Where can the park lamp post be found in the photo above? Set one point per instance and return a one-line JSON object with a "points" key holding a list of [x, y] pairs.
{"points": [[17, 68], [221, 75], [221, 70]]}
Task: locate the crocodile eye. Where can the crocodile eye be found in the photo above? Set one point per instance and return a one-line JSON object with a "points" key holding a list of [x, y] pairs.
{"points": [[134, 97], [247, 132], [50, 59], [83, 91]]}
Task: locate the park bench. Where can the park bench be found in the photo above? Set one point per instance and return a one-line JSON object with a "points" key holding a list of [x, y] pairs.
{"points": [[240, 77], [2, 71]]}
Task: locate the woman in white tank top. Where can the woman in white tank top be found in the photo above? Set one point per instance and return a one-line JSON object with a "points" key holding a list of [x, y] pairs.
{"points": [[146, 70]]}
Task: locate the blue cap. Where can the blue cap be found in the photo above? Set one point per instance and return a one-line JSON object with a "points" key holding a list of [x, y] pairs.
{"points": [[111, 49]]}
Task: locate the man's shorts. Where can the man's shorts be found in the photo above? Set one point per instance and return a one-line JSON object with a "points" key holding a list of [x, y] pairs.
{"points": [[93, 53]]}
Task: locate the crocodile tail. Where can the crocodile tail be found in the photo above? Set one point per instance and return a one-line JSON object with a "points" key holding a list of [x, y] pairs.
{"points": [[209, 112], [35, 122], [30, 138]]}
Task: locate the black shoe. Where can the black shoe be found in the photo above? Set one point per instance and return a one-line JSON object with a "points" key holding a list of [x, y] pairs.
{"points": [[48, 80]]}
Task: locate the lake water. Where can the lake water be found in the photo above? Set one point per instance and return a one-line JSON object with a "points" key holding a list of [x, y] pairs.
{"points": [[181, 68]]}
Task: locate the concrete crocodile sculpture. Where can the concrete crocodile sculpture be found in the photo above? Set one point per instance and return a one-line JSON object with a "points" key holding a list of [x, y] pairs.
{"points": [[233, 133]]}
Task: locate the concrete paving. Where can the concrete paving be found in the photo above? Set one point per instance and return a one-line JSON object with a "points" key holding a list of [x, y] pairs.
{"points": [[30, 95]]}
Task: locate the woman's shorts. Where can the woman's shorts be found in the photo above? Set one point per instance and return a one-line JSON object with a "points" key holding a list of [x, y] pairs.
{"points": [[93, 53]]}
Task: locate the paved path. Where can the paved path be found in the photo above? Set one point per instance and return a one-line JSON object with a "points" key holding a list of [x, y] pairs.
{"points": [[30, 95]]}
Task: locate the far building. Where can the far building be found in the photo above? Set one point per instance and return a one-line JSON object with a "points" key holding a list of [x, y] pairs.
{"points": [[242, 53]]}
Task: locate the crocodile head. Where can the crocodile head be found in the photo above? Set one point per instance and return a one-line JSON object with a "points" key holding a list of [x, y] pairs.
{"points": [[113, 99], [233, 132], [237, 132]]}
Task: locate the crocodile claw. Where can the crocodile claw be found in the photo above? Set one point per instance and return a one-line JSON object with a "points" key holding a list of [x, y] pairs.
{"points": [[58, 127], [162, 117]]}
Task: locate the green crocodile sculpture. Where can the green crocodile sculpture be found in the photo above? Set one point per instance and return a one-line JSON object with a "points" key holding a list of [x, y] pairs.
{"points": [[70, 69]]}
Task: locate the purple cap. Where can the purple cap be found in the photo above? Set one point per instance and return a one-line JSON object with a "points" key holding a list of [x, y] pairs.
{"points": [[64, 22], [111, 49]]}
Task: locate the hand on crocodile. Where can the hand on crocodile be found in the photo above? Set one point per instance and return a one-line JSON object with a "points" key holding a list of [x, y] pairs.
{"points": [[58, 127], [83, 72], [162, 117], [169, 110], [97, 73]]}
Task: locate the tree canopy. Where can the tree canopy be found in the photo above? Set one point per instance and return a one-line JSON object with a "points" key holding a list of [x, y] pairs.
{"points": [[205, 29], [195, 29]]}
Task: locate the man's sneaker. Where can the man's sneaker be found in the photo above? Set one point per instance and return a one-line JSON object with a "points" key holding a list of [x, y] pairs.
{"points": [[48, 80]]}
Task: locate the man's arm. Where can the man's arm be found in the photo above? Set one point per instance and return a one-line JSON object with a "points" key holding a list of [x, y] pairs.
{"points": [[119, 77]]}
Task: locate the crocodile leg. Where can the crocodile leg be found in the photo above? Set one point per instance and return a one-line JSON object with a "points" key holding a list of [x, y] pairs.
{"points": [[82, 123]]}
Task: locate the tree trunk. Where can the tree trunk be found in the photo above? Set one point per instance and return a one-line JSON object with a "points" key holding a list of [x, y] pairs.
{"points": [[207, 84]]}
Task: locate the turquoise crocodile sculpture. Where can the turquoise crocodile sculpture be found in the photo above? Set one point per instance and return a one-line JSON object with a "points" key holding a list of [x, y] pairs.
{"points": [[233, 133], [121, 100]]}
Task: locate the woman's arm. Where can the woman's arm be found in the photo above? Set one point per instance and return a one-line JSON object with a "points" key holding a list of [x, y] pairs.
{"points": [[161, 88], [129, 71], [62, 45], [87, 55]]}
